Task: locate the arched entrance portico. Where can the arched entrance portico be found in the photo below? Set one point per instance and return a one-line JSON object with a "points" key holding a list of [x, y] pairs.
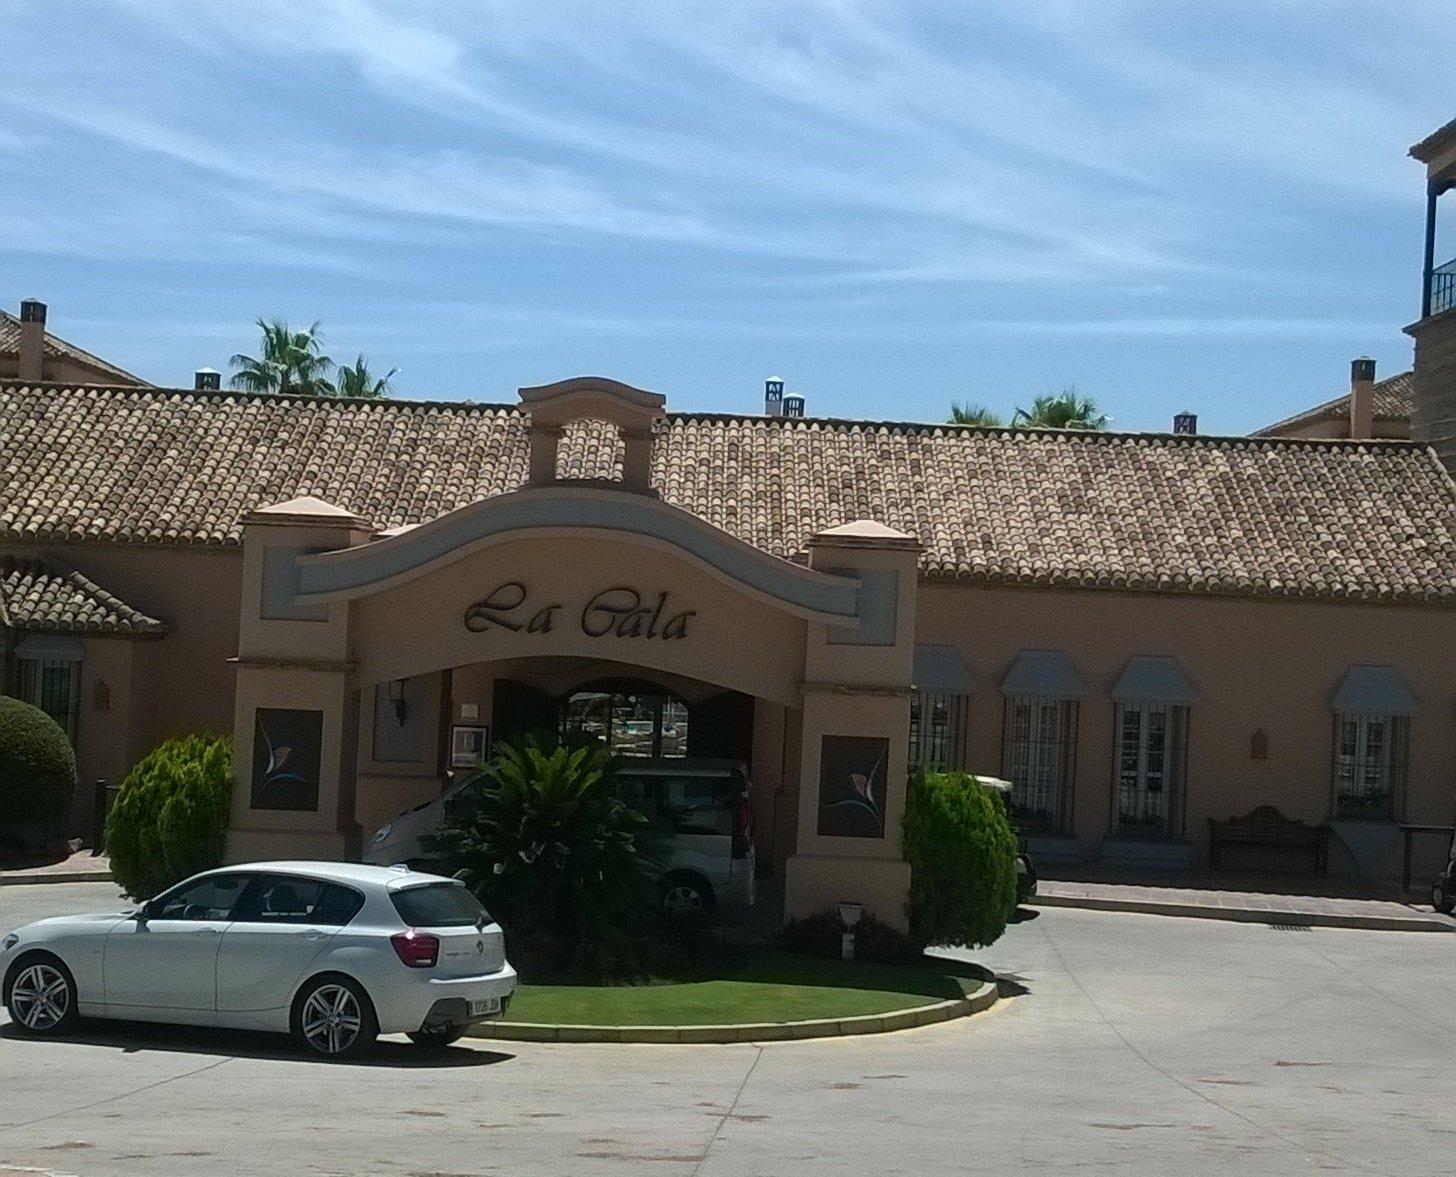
{"points": [[337, 623]]}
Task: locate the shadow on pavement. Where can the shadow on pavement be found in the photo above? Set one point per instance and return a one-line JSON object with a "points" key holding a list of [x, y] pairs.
{"points": [[135, 1037]]}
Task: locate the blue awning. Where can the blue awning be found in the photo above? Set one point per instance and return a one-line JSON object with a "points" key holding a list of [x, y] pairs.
{"points": [[1153, 679], [1043, 674], [941, 670], [1373, 690]]}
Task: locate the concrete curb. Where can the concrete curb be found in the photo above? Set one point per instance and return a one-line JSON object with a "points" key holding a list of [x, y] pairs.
{"points": [[21, 878], [923, 1015], [1298, 919]]}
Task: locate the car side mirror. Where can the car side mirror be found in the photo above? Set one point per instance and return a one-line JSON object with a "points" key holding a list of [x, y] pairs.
{"points": [[146, 911]]}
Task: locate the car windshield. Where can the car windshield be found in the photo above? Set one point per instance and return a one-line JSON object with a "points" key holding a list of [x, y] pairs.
{"points": [[438, 905]]}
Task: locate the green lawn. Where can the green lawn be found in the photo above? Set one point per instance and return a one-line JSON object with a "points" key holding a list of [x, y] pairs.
{"points": [[767, 986]]}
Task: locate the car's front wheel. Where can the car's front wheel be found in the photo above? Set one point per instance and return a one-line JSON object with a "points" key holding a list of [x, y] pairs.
{"points": [[1441, 898], [333, 1018], [41, 995]]}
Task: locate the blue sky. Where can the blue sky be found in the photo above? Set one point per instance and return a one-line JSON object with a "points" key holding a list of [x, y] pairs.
{"points": [[892, 205]]}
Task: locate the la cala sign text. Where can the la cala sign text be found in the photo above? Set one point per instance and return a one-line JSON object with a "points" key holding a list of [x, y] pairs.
{"points": [[621, 612]]}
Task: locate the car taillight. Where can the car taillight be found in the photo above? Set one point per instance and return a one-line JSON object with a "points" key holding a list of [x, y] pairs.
{"points": [[742, 829], [419, 950]]}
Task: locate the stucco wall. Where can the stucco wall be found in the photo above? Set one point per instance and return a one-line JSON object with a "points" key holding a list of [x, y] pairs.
{"points": [[1256, 665]]}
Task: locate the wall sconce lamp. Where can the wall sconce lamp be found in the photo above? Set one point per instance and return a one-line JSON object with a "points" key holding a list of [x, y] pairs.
{"points": [[396, 697], [1259, 746]]}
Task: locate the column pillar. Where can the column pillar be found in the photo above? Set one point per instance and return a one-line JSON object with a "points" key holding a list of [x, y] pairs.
{"points": [[854, 749], [296, 719]]}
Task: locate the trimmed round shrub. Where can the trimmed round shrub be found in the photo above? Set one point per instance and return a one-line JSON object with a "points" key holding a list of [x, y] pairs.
{"points": [[170, 814], [962, 855], [37, 767]]}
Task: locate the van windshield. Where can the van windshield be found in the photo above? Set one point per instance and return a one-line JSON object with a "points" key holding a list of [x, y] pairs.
{"points": [[694, 803]]}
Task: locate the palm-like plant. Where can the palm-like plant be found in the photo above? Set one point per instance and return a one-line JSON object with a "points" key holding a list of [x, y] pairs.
{"points": [[971, 414], [290, 362], [358, 381], [1068, 410], [558, 858]]}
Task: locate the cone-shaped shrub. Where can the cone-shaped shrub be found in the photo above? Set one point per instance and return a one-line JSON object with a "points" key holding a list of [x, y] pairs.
{"points": [[169, 816], [962, 855]]}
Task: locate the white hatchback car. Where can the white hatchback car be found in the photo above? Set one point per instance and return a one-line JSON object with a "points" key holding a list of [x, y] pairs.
{"points": [[334, 953]]}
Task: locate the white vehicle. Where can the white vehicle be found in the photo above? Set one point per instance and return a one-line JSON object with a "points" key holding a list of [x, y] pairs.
{"points": [[333, 953], [701, 805]]}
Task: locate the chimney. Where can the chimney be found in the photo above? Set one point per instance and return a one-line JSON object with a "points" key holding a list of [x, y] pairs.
{"points": [[206, 379], [1362, 398], [793, 406], [1185, 423], [32, 340], [773, 397]]}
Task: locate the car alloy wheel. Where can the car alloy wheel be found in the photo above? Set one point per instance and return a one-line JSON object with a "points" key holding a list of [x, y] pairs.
{"points": [[333, 1018], [42, 997]]}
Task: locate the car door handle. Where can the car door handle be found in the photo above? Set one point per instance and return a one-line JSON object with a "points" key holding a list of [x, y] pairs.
{"points": [[313, 934], [205, 932]]}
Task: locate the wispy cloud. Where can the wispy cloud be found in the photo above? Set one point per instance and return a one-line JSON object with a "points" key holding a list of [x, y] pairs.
{"points": [[818, 172]]}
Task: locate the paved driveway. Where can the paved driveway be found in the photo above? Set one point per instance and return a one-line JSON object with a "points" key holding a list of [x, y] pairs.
{"points": [[1140, 1044]]}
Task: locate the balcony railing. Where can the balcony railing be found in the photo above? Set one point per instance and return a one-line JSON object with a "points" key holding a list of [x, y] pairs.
{"points": [[1443, 288]]}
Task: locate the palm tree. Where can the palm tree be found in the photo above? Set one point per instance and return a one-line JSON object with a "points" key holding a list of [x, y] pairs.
{"points": [[1065, 411], [359, 381], [291, 362], [969, 414]]}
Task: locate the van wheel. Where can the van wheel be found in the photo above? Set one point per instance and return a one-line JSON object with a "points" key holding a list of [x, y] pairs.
{"points": [[685, 894], [1441, 898]]}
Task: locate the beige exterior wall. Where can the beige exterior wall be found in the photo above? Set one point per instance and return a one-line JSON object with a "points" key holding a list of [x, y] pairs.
{"points": [[1257, 665]]}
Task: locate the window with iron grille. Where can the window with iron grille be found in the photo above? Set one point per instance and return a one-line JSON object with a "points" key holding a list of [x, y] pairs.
{"points": [[1371, 760], [939, 730], [53, 686], [1152, 741], [1037, 750]]}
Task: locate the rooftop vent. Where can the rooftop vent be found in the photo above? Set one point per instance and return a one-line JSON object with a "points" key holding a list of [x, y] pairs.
{"points": [[206, 379], [793, 406], [1185, 423]]}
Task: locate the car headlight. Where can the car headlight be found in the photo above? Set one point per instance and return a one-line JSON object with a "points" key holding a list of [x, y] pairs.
{"points": [[9, 942], [382, 834]]}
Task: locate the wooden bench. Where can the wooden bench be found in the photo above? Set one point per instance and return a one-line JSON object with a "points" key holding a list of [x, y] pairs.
{"points": [[1266, 827]]}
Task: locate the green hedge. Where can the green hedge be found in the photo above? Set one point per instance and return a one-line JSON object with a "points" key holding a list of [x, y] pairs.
{"points": [[962, 855], [170, 814], [37, 767]]}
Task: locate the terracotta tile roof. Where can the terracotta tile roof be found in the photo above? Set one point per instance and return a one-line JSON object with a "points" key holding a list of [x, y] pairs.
{"points": [[1393, 401], [1372, 520], [58, 348], [36, 596]]}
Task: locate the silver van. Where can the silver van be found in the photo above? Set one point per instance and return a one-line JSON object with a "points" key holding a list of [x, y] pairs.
{"points": [[699, 808]]}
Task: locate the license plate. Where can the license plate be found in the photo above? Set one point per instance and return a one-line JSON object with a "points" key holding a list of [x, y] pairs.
{"points": [[488, 1005]]}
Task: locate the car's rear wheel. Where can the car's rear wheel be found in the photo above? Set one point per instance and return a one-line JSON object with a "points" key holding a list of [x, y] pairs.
{"points": [[684, 893], [1441, 898], [41, 995], [333, 1017], [437, 1039]]}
